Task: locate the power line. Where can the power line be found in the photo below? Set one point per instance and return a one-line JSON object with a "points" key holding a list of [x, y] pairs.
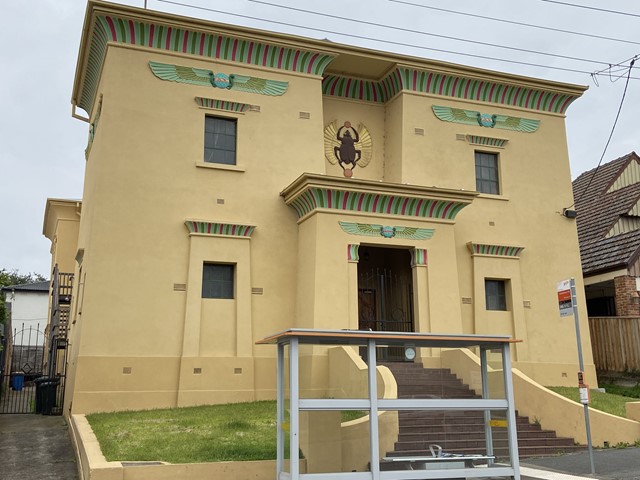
{"points": [[613, 128], [592, 8], [512, 22], [475, 42], [390, 42], [611, 71]]}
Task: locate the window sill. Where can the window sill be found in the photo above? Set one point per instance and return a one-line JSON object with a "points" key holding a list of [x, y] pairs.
{"points": [[220, 166], [490, 196]]}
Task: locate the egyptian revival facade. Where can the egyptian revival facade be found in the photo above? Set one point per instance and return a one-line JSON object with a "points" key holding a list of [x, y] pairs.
{"points": [[240, 182]]}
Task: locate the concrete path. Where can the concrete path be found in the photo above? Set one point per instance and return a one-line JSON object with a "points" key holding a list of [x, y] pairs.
{"points": [[35, 447]]}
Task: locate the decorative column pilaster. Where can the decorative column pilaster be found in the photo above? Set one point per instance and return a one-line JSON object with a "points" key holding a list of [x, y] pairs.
{"points": [[352, 267], [352, 253], [419, 257], [420, 279]]}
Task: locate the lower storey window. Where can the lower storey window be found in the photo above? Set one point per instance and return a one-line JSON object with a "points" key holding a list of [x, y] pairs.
{"points": [[495, 294], [217, 280]]}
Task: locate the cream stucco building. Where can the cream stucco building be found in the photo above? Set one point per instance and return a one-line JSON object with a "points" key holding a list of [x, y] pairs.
{"points": [[241, 182]]}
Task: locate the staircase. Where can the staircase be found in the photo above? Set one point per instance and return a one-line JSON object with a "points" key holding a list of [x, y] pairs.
{"points": [[459, 431]]}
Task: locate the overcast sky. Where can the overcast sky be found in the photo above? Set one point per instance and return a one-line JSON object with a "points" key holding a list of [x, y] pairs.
{"points": [[42, 147]]}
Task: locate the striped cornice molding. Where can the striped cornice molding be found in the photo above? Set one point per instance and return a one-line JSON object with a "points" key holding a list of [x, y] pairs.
{"points": [[311, 193], [483, 249], [361, 89], [163, 34], [486, 141], [447, 85], [219, 229], [215, 104]]}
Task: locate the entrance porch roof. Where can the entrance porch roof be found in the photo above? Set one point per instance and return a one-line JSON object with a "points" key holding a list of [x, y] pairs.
{"points": [[311, 193]]}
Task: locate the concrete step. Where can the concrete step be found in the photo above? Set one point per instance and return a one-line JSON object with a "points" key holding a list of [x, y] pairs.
{"points": [[459, 431], [523, 452], [455, 445], [467, 431]]}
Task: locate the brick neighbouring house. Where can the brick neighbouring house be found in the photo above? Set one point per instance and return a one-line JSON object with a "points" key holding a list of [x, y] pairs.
{"points": [[609, 234]]}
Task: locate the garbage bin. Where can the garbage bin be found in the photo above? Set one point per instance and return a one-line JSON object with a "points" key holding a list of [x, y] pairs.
{"points": [[17, 381], [48, 395], [38, 383]]}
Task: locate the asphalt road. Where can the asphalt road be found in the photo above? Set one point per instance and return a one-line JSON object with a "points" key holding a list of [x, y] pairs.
{"points": [[610, 463]]}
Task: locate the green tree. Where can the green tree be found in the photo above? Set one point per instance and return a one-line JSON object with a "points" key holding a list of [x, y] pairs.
{"points": [[13, 277]]}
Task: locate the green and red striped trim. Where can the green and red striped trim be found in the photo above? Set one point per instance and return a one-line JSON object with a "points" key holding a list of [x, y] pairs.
{"points": [[419, 257], [495, 250], [486, 141], [215, 104], [401, 205], [110, 28], [214, 228], [347, 87], [484, 91], [441, 84]]}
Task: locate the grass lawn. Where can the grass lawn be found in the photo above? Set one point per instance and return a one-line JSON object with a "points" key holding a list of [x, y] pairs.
{"points": [[632, 392], [240, 431], [212, 433], [606, 402]]}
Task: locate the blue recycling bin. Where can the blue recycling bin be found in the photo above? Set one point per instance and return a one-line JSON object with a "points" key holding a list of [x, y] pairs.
{"points": [[17, 381]]}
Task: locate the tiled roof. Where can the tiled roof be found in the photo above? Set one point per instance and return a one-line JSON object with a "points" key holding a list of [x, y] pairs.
{"points": [[29, 287], [598, 211]]}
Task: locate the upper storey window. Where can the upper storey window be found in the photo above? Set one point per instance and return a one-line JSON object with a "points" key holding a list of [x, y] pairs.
{"points": [[487, 175], [220, 140]]}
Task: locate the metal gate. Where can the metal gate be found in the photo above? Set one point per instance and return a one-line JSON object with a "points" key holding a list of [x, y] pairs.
{"points": [[385, 304], [30, 379]]}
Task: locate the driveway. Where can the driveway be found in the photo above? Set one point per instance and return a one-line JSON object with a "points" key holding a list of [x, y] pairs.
{"points": [[35, 447]]}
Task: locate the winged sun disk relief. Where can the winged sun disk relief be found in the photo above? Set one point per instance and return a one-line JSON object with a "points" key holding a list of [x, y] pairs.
{"points": [[374, 230], [208, 78], [473, 117]]}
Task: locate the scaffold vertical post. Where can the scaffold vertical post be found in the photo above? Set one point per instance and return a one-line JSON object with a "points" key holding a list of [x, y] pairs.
{"points": [[373, 410]]}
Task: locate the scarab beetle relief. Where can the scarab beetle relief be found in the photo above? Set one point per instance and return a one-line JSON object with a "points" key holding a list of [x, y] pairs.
{"points": [[347, 146]]}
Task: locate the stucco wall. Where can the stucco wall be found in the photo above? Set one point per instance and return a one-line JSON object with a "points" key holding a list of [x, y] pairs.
{"points": [[138, 316]]}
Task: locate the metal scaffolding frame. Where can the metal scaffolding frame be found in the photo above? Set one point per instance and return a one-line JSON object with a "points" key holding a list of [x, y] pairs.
{"points": [[293, 338]]}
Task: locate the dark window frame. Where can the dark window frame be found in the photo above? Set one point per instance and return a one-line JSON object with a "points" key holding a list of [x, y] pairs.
{"points": [[495, 294], [220, 140], [218, 280], [487, 168]]}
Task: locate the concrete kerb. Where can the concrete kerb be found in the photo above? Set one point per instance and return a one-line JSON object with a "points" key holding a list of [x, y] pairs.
{"points": [[92, 465], [527, 473]]}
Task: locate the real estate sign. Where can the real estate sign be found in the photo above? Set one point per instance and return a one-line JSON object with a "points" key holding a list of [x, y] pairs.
{"points": [[564, 298]]}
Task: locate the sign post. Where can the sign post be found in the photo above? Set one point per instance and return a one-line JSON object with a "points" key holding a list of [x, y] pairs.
{"points": [[567, 301]]}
